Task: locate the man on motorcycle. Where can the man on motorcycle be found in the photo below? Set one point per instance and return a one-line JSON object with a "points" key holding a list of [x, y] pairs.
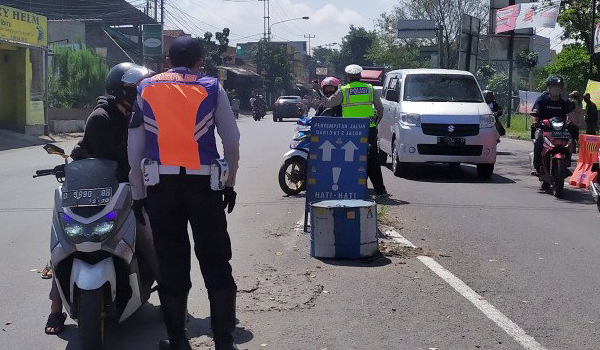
{"points": [[105, 137], [330, 86], [550, 105], [496, 109]]}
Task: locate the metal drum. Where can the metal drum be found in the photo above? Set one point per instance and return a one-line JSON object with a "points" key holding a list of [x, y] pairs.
{"points": [[343, 229]]}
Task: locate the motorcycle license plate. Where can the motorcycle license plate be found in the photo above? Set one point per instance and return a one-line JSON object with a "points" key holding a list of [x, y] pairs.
{"points": [[87, 198], [560, 134], [451, 141]]}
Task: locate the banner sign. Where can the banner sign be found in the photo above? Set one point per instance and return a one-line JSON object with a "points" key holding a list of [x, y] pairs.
{"points": [[417, 28], [541, 14], [337, 162], [152, 39], [593, 88], [597, 39], [527, 100], [23, 27]]}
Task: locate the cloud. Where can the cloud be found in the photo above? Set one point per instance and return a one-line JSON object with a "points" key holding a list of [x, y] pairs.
{"points": [[327, 21]]}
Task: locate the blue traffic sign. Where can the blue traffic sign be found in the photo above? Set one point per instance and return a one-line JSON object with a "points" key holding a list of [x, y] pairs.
{"points": [[337, 164]]}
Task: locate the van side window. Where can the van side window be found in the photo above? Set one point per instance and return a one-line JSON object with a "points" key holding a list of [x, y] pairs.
{"points": [[392, 92]]}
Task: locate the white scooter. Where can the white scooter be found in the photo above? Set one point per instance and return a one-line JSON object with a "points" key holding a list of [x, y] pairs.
{"points": [[99, 274]]}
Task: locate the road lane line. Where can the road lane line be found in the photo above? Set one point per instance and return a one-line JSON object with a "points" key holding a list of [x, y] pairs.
{"points": [[516, 332], [511, 328]]}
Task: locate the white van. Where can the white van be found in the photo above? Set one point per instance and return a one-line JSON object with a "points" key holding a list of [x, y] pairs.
{"points": [[437, 116]]}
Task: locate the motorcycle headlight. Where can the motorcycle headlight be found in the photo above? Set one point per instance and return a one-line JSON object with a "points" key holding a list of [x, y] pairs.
{"points": [[410, 119], [487, 121], [95, 232], [558, 125]]}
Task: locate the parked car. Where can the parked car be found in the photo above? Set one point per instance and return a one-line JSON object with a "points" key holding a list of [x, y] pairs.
{"points": [[437, 116], [288, 107]]}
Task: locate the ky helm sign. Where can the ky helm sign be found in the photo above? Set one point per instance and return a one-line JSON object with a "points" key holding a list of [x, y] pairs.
{"points": [[337, 165]]}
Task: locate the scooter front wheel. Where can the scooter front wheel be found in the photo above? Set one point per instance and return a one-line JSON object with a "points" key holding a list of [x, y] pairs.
{"points": [[559, 171], [91, 319], [292, 176]]}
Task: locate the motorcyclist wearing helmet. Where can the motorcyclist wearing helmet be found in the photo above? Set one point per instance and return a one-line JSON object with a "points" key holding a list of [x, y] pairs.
{"points": [[550, 105], [330, 86], [105, 137], [496, 109], [107, 126]]}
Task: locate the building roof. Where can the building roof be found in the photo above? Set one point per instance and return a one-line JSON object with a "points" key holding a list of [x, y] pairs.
{"points": [[175, 33], [111, 12]]}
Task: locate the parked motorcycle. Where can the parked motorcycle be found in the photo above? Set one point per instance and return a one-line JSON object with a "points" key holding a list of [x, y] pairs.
{"points": [[99, 273], [292, 174], [556, 154]]}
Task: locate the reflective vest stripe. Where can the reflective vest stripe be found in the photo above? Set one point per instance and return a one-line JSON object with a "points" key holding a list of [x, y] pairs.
{"points": [[360, 103]]}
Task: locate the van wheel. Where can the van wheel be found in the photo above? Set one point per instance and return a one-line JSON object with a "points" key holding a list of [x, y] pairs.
{"points": [[398, 168], [485, 171]]}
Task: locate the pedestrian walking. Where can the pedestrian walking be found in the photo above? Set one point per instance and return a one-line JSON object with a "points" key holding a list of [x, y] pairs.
{"points": [[176, 187], [358, 99], [235, 107], [591, 115]]}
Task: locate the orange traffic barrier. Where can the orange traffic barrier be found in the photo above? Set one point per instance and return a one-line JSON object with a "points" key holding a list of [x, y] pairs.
{"points": [[588, 155]]}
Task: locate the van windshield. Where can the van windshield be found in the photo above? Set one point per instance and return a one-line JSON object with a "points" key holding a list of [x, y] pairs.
{"points": [[441, 88]]}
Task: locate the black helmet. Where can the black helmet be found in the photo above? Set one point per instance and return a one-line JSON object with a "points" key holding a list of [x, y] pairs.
{"points": [[125, 76], [555, 80]]}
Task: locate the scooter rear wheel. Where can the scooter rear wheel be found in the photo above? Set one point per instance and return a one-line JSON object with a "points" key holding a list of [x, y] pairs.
{"points": [[91, 319]]}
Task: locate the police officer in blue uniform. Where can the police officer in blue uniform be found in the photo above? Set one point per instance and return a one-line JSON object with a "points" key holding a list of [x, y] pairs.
{"points": [[186, 108]]}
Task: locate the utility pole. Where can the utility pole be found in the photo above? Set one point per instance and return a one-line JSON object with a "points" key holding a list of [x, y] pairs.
{"points": [[147, 9], [162, 12], [309, 37], [592, 36], [266, 20], [156, 10], [511, 64]]}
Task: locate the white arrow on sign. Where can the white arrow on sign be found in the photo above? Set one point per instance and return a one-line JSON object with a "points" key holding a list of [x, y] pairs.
{"points": [[327, 147], [350, 148]]}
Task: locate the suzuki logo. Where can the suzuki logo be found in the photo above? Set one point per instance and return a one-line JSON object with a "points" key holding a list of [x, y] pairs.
{"points": [[451, 128]]}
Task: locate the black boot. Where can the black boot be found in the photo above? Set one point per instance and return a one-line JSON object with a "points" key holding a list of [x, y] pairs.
{"points": [[174, 310], [222, 318]]}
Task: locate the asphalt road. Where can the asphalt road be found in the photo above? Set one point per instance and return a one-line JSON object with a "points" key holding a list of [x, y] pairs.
{"points": [[533, 258]]}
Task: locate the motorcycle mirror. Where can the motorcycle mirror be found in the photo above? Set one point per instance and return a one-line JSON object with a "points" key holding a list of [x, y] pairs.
{"points": [[53, 149]]}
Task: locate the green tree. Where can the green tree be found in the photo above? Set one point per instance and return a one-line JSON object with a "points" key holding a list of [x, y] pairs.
{"points": [[498, 83], [355, 47], [326, 56], [77, 77], [526, 60], [572, 64], [273, 62], [576, 19], [213, 51]]}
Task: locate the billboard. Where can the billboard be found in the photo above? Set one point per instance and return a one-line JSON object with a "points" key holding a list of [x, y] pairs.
{"points": [[469, 43], [417, 28], [541, 14], [152, 39], [527, 100], [23, 27]]}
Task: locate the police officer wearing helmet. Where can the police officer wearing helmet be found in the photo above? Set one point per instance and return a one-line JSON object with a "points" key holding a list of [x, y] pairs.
{"points": [[174, 137], [550, 105], [358, 99]]}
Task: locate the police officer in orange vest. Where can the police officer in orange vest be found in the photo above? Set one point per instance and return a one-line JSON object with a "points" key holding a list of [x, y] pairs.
{"points": [[176, 174]]}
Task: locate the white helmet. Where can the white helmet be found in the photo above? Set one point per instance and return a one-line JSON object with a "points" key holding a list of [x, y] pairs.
{"points": [[354, 69]]}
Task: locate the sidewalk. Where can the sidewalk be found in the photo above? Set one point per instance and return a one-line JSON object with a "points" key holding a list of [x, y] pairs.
{"points": [[13, 140]]}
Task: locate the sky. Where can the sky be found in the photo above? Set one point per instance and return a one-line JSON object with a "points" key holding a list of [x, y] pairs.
{"points": [[328, 20]]}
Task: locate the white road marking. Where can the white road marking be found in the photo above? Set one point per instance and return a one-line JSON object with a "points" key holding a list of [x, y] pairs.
{"points": [[511, 328]]}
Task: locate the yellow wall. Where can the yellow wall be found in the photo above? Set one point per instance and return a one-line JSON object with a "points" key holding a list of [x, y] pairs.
{"points": [[16, 108]]}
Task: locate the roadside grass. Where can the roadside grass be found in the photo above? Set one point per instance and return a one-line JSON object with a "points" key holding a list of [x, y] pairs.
{"points": [[519, 126]]}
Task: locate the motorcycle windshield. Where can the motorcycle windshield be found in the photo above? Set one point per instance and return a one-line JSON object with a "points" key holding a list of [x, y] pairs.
{"points": [[87, 174]]}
